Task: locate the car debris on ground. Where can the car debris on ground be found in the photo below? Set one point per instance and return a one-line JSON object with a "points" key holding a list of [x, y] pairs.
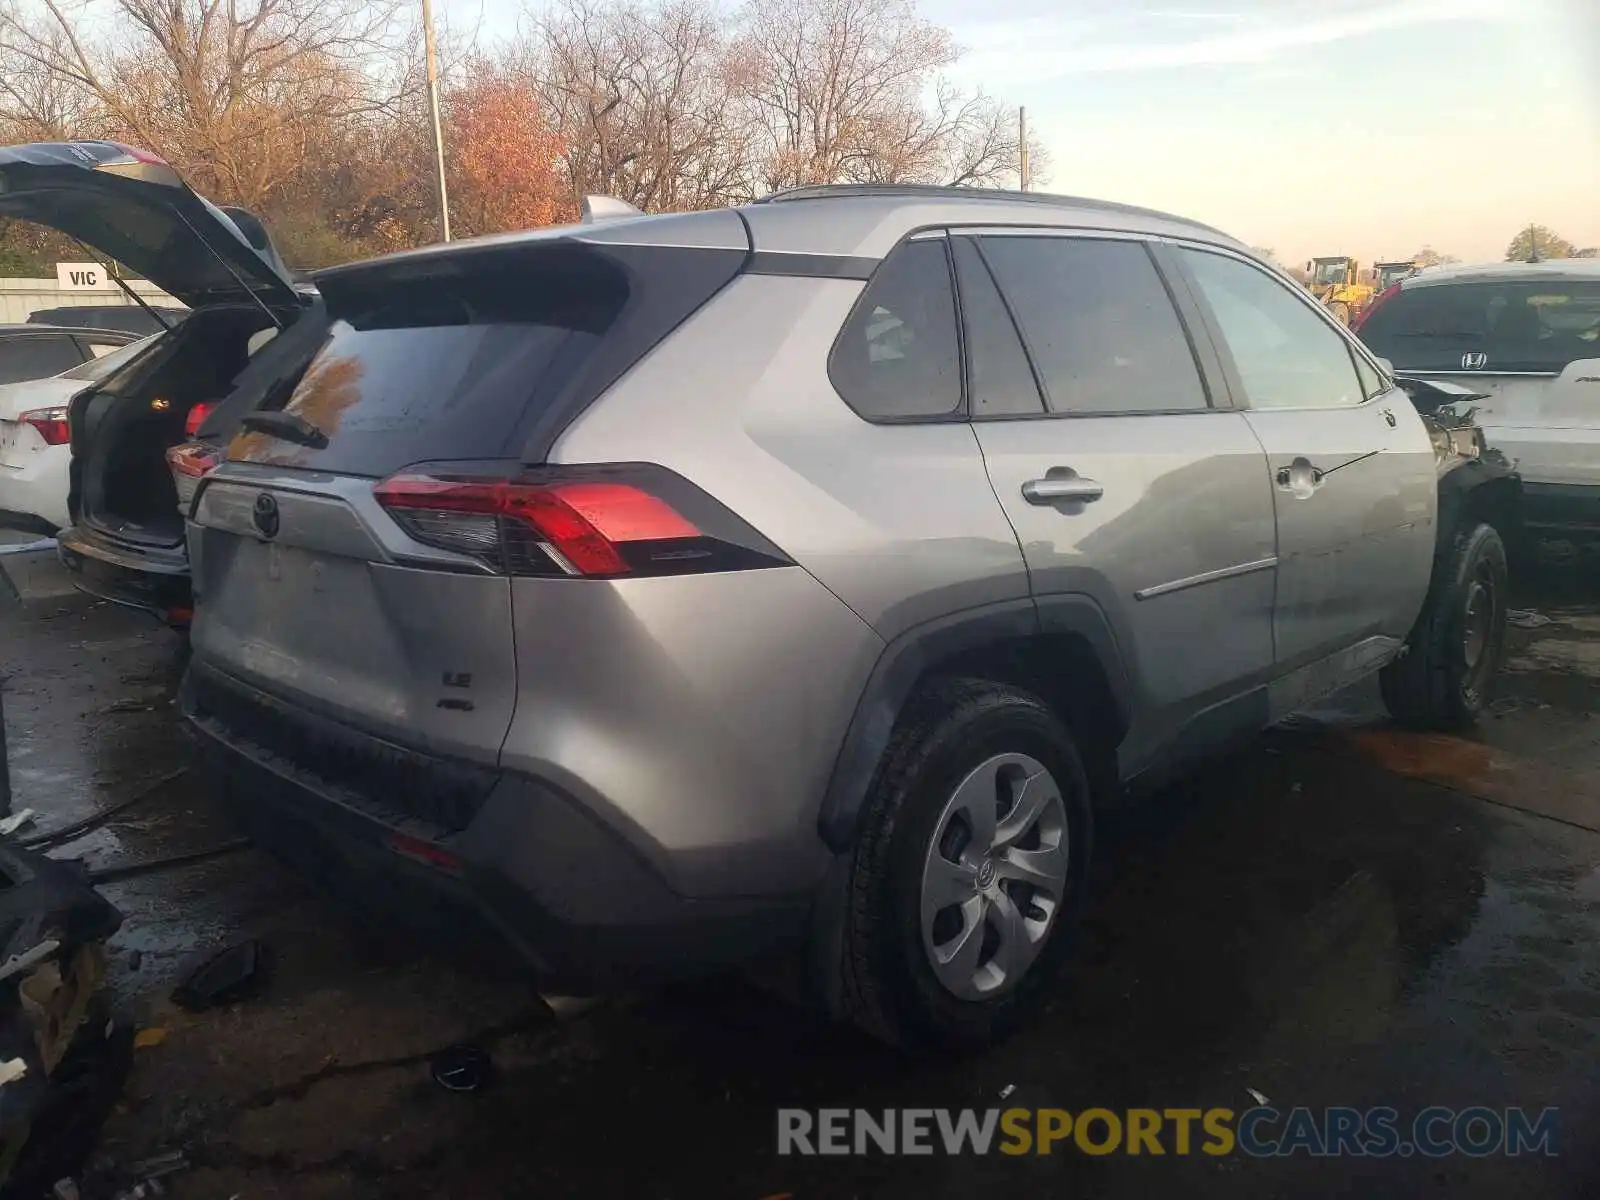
{"points": [[59, 1070], [225, 977]]}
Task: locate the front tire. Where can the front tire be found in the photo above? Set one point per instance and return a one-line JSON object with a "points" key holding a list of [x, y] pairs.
{"points": [[1443, 677], [1340, 311], [970, 869]]}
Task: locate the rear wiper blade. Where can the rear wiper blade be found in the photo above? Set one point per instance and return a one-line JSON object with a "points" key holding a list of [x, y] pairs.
{"points": [[288, 427]]}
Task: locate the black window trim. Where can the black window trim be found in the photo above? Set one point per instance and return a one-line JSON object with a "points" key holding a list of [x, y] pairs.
{"points": [[1353, 345], [1016, 327], [955, 416], [1212, 381]]}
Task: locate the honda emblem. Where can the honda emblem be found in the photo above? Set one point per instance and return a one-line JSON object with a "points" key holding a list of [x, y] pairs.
{"points": [[1474, 360]]}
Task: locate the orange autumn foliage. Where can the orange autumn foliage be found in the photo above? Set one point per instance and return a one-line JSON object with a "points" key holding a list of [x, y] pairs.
{"points": [[501, 157]]}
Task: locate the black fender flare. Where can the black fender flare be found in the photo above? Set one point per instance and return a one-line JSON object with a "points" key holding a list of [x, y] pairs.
{"points": [[909, 656], [1477, 488]]}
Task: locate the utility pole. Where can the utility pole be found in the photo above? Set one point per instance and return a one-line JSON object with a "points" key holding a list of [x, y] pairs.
{"points": [[433, 105], [1022, 147]]}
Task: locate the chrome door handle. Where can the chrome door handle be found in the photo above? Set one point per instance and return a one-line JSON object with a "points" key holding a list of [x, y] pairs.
{"points": [[1053, 491]]}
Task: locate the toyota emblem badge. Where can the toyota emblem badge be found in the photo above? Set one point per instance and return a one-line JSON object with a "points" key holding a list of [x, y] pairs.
{"points": [[266, 515]]}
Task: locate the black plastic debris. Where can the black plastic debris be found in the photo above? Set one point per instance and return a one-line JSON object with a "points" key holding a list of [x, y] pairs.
{"points": [[59, 1056], [232, 974], [462, 1068], [70, 1112]]}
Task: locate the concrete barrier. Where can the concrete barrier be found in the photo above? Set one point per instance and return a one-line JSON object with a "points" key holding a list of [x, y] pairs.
{"points": [[19, 297]]}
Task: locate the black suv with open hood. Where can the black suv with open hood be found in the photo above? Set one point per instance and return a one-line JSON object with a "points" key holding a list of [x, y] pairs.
{"points": [[126, 542]]}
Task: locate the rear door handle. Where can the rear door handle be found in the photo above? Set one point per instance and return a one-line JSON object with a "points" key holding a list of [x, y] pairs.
{"points": [[1052, 490]]}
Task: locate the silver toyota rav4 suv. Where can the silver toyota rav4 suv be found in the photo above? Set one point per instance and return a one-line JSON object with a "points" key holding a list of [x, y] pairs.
{"points": [[664, 593]]}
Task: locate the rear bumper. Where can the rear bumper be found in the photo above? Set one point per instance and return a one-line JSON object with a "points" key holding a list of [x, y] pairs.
{"points": [[1571, 510], [33, 484], [154, 582], [531, 872]]}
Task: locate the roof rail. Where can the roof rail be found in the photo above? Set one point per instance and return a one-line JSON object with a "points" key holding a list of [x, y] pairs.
{"points": [[933, 191], [605, 208]]}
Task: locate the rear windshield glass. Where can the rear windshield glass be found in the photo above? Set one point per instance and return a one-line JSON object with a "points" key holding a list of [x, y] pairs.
{"points": [[97, 369], [1514, 325], [462, 364]]}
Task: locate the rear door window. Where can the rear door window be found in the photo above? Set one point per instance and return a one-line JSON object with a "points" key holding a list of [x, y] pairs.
{"points": [[1000, 380], [1521, 325], [463, 364], [1099, 325], [34, 357]]}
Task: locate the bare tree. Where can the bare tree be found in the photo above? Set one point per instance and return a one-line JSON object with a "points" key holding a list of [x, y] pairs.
{"points": [[849, 91], [233, 92], [641, 100]]}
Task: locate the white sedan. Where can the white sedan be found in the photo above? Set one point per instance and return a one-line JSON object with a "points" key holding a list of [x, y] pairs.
{"points": [[35, 449]]}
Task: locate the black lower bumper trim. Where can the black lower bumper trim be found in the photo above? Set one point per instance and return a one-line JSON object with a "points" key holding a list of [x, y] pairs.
{"points": [[535, 875], [163, 595]]}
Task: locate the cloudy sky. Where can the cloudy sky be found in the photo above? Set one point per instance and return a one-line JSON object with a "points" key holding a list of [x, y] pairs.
{"points": [[1360, 127]]}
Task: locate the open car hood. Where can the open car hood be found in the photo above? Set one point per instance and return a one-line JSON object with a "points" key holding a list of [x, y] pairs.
{"points": [[133, 208]]}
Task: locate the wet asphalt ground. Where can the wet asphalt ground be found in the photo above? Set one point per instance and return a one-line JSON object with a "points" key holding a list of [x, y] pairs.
{"points": [[1344, 914]]}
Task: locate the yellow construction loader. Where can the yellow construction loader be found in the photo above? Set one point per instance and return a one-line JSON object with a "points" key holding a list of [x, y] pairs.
{"points": [[1336, 283], [1386, 273]]}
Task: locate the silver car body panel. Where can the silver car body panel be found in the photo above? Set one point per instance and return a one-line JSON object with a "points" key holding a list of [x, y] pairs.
{"points": [[697, 715], [898, 521], [1355, 551], [1161, 580], [323, 614], [700, 716]]}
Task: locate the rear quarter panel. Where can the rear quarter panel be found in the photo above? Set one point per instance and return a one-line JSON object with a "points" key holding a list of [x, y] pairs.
{"points": [[894, 526], [899, 521]]}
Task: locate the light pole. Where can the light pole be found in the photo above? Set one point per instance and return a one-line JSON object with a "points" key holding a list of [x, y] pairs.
{"points": [[438, 128], [1022, 148]]}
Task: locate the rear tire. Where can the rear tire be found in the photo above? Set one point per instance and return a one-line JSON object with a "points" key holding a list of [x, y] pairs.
{"points": [[1443, 677], [945, 944]]}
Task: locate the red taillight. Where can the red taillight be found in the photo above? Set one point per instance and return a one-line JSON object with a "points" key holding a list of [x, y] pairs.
{"points": [[197, 417], [51, 424], [590, 522], [424, 852], [1378, 302], [582, 527]]}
